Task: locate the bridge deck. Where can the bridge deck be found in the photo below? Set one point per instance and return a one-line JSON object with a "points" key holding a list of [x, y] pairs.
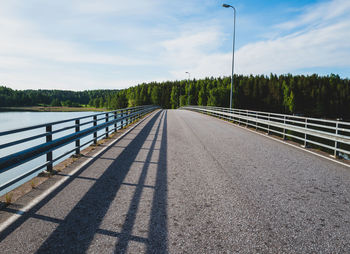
{"points": [[185, 182]]}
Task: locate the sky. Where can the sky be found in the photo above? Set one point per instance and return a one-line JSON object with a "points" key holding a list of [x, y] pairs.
{"points": [[114, 44]]}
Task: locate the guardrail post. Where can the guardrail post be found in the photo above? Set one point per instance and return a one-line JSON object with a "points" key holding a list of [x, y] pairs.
{"points": [[247, 119], [256, 120], [95, 133], [122, 122], [284, 127], [268, 124], [107, 126], [49, 154], [305, 136], [239, 118], [77, 142], [336, 153], [115, 123], [126, 113], [130, 118]]}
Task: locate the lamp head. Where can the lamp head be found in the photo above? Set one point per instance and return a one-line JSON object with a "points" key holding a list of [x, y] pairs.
{"points": [[226, 5]]}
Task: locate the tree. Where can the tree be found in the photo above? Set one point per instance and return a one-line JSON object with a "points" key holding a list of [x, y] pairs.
{"points": [[174, 97], [183, 101], [202, 96], [155, 95], [55, 103], [318, 96]]}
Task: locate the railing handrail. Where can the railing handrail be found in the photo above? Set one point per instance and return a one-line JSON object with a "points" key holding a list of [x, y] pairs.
{"points": [[334, 131], [294, 127], [64, 121], [279, 114], [10, 161]]}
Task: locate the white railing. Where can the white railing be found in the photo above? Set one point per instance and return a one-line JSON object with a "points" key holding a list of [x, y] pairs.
{"points": [[329, 134]]}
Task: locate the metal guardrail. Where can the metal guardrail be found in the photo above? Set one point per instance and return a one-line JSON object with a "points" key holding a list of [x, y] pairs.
{"points": [[117, 119], [329, 134]]}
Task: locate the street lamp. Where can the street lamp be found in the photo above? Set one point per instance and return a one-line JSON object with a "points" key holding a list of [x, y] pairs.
{"points": [[189, 77], [233, 46]]}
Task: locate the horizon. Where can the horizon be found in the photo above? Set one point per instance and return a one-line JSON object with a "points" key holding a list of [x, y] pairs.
{"points": [[114, 45]]}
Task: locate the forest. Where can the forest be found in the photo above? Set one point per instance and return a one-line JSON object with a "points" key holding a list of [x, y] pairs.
{"points": [[312, 95]]}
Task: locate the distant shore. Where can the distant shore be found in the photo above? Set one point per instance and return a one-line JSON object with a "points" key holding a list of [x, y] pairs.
{"points": [[51, 109]]}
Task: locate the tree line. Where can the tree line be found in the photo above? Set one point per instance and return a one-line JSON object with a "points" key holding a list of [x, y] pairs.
{"points": [[19, 98], [313, 95]]}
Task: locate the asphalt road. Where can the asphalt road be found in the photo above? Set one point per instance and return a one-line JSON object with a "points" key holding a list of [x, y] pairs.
{"points": [[183, 182]]}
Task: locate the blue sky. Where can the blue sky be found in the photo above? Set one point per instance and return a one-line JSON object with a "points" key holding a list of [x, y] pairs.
{"points": [[113, 44]]}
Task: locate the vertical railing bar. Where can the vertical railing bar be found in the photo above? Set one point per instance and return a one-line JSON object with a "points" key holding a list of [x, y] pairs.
{"points": [[305, 136], [77, 142], [247, 119], [49, 154], [115, 123], [107, 119], [127, 114], [336, 153], [284, 127], [239, 118], [122, 122], [95, 133], [130, 117]]}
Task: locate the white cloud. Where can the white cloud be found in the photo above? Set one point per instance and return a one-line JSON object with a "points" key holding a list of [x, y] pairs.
{"points": [[19, 38], [196, 52], [116, 7], [30, 58], [308, 42], [115, 44], [319, 14], [321, 40]]}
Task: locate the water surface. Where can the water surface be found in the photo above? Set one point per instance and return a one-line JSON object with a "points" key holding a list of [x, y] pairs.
{"points": [[15, 120]]}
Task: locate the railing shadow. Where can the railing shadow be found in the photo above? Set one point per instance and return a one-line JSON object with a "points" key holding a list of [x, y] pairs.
{"points": [[76, 231], [158, 227], [157, 231]]}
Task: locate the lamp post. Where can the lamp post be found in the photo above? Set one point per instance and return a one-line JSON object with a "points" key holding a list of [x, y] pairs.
{"points": [[233, 46], [188, 94]]}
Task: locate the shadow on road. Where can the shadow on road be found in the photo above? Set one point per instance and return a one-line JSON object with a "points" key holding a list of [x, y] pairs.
{"points": [[76, 231]]}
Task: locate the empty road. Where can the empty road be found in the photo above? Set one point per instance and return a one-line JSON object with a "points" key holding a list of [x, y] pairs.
{"points": [[183, 182]]}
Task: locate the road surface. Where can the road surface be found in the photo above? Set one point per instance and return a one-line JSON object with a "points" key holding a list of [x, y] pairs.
{"points": [[183, 182]]}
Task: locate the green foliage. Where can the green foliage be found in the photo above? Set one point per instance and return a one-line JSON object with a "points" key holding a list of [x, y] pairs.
{"points": [[327, 96], [183, 101], [202, 95], [56, 103], [174, 97]]}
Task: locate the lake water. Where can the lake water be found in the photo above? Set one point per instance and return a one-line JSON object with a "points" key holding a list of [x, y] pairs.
{"points": [[16, 120]]}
